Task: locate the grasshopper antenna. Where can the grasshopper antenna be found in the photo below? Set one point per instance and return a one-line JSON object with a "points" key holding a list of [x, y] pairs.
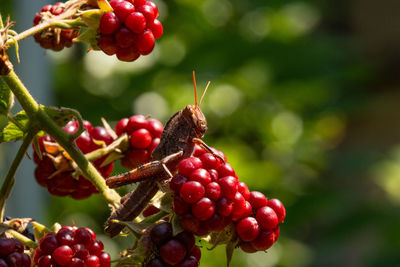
{"points": [[195, 89], [204, 93]]}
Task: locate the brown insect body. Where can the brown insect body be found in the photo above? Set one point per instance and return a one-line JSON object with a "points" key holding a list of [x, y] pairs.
{"points": [[176, 143]]}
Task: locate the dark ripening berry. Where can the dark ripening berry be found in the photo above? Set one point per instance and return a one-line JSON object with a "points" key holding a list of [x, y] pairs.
{"points": [[215, 223], [125, 38], [203, 209], [189, 223], [26, 260], [264, 240], [161, 233], [176, 183], [187, 166], [136, 22], [191, 192], [83, 236], [267, 218], [172, 252], [188, 262], [65, 237], [247, 229], [108, 44], [109, 23], [140, 138], [257, 200], [278, 207], [180, 206], [76, 262], [49, 243], [239, 204], [156, 262], [7, 246], [127, 54], [187, 239], [247, 247], [14, 259], [195, 252], [80, 251], [62, 255]]}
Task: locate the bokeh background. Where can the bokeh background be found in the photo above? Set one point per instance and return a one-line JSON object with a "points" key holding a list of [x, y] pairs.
{"points": [[304, 102]]}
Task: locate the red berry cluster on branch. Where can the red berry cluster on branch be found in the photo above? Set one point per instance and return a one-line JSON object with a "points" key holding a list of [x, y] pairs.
{"points": [[179, 250], [73, 247], [208, 196], [54, 171], [130, 30], [12, 253], [144, 135], [55, 39]]}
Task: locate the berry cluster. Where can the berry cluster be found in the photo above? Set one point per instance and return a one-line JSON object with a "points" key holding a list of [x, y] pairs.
{"points": [[55, 39], [144, 135], [179, 250], [73, 247], [12, 253], [130, 30], [208, 196], [54, 171]]}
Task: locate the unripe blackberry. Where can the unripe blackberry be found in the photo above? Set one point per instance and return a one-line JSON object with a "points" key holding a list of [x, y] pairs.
{"points": [[144, 136], [53, 38], [12, 253]]}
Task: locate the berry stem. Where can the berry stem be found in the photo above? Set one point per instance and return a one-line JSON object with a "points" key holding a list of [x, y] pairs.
{"points": [[40, 117], [121, 144], [25, 240], [9, 180]]}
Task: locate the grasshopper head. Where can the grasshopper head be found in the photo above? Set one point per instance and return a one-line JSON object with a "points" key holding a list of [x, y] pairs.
{"points": [[194, 114]]}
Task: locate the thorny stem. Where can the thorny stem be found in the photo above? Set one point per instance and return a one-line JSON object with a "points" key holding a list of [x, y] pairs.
{"points": [[9, 180], [40, 117]]}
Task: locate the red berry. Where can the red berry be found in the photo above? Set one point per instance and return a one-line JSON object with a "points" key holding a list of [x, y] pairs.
{"points": [[123, 9], [214, 174], [200, 175], [257, 200], [150, 210], [226, 170], [244, 190], [145, 42], [84, 142], [172, 252], [267, 218], [136, 22], [192, 191], [154, 6], [105, 259], [264, 240], [140, 138], [209, 161], [155, 128], [139, 2], [45, 261], [203, 209], [92, 261], [215, 223], [239, 204], [7, 245], [113, 3], [247, 229], [189, 223], [49, 243], [100, 134], [83, 236], [229, 186], [188, 262], [127, 54], [46, 8], [138, 156], [76, 262], [120, 128], [108, 44], [278, 207], [136, 122], [109, 23], [187, 166], [96, 248], [62, 255], [213, 191], [195, 252], [65, 237]]}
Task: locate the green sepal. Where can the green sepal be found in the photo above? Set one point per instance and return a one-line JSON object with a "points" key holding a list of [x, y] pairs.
{"points": [[89, 36], [60, 116], [92, 18], [39, 230], [13, 132]]}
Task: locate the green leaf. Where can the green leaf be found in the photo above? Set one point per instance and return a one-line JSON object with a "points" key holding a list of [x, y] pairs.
{"points": [[89, 36], [92, 18], [60, 116], [12, 132], [6, 98]]}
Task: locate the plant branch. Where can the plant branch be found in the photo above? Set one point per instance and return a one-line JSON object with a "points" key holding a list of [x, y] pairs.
{"points": [[39, 116], [9, 180]]}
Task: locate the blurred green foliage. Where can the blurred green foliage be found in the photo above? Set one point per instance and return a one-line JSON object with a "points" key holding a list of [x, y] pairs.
{"points": [[287, 81]]}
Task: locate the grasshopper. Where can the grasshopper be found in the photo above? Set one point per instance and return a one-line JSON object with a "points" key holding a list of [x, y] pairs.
{"points": [[181, 133]]}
